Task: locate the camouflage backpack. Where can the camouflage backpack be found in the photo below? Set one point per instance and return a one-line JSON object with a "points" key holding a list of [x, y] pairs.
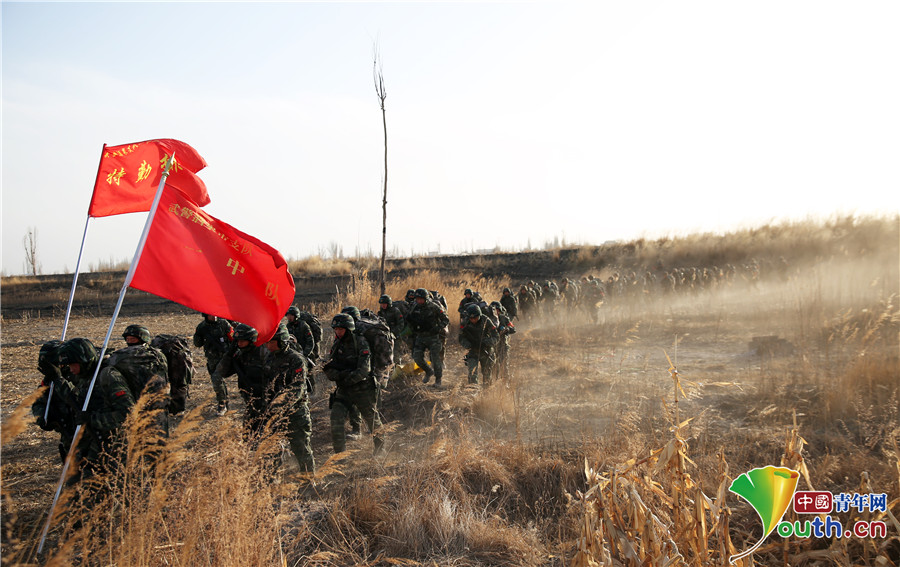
{"points": [[179, 360], [142, 366], [380, 340], [315, 326]]}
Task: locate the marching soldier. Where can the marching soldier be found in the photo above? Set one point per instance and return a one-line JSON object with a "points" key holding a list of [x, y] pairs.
{"points": [[480, 337], [214, 335], [428, 322], [349, 368]]}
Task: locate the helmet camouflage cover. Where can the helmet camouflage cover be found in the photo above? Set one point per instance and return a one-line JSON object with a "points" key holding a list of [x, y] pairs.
{"points": [[138, 331], [343, 320]]}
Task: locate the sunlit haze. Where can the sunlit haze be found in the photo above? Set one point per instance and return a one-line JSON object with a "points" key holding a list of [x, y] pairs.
{"points": [[509, 125]]}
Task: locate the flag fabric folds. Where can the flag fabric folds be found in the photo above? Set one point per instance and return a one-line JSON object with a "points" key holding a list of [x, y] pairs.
{"points": [[129, 176], [206, 264]]}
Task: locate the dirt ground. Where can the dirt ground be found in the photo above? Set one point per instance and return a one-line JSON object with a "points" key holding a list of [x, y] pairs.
{"points": [[576, 380]]}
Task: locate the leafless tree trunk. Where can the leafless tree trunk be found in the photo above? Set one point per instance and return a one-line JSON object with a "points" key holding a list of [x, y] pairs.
{"points": [[32, 265], [382, 94]]}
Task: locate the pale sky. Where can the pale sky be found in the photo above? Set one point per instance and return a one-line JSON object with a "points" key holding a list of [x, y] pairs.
{"points": [[509, 124]]}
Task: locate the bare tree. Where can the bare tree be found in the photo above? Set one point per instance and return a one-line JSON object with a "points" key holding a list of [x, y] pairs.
{"points": [[32, 265], [382, 94]]}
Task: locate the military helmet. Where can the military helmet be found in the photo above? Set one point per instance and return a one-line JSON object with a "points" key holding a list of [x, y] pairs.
{"points": [[468, 291], [506, 290], [243, 332], [293, 310], [78, 351], [386, 299], [138, 331], [352, 311], [282, 336], [422, 292], [49, 353], [343, 320], [496, 305], [473, 310], [410, 294]]}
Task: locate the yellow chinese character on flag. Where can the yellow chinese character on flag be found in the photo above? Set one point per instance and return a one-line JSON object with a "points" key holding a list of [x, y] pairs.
{"points": [[115, 176], [165, 161], [144, 171]]}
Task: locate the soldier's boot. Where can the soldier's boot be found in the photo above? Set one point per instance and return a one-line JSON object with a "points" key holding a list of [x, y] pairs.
{"points": [[355, 433], [222, 408], [428, 374]]}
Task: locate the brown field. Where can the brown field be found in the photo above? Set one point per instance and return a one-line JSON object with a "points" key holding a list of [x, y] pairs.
{"points": [[591, 456]]}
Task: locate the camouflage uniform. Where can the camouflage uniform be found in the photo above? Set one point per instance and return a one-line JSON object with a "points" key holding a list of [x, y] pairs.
{"points": [[480, 338], [505, 328], [509, 302], [349, 368], [301, 331], [249, 363], [428, 322], [527, 300], [394, 318], [111, 401], [59, 417], [146, 372], [286, 370], [215, 338]]}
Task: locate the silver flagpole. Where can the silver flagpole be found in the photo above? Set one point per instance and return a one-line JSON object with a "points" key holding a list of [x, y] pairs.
{"points": [[128, 277], [75, 279]]}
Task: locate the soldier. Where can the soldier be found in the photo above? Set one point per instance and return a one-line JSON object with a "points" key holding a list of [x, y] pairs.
{"points": [[428, 322], [286, 370], [111, 401], [146, 372], [480, 337], [568, 291], [527, 300], [349, 368], [302, 332], [509, 302], [393, 316], [505, 328], [468, 299], [249, 363], [50, 410], [215, 335]]}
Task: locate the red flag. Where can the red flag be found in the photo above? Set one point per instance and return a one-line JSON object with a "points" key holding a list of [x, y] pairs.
{"points": [[129, 176], [203, 263]]}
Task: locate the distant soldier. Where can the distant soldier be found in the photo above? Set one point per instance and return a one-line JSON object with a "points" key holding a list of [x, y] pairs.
{"points": [[99, 447], [428, 322], [315, 327], [479, 336], [568, 291], [348, 366], [527, 300], [301, 331], [393, 316], [509, 302], [180, 369], [505, 329], [50, 409], [249, 363], [286, 370], [468, 299], [214, 335], [549, 297]]}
